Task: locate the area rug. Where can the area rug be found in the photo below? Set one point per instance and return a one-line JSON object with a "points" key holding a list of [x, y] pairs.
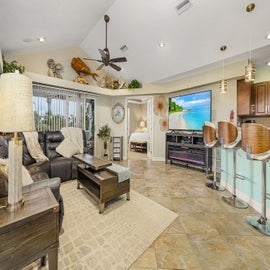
{"points": [[112, 240]]}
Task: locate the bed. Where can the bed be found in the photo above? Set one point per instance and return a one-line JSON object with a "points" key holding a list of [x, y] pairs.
{"points": [[138, 141]]}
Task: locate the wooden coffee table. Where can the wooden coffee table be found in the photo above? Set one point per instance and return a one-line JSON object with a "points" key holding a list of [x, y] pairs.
{"points": [[100, 183]]}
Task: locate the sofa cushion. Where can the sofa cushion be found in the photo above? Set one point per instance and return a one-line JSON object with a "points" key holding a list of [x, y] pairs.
{"points": [[67, 148], [61, 167], [52, 140], [39, 170]]}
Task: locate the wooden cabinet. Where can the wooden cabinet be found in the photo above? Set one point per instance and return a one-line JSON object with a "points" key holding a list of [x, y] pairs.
{"points": [[31, 232], [261, 98], [188, 150], [253, 100], [117, 148], [243, 98]]}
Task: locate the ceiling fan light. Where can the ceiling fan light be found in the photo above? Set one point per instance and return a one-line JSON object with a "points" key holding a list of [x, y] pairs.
{"points": [[223, 86], [250, 71]]}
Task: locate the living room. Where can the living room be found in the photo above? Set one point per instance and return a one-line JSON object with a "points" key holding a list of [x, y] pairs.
{"points": [[153, 178]]}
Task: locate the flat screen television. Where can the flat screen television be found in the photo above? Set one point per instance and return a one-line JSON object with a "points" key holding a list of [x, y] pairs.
{"points": [[189, 112]]}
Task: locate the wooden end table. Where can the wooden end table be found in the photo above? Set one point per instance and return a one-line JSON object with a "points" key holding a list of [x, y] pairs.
{"points": [[100, 183], [31, 232]]}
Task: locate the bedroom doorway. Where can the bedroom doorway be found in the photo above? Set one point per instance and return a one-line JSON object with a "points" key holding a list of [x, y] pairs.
{"points": [[139, 127]]}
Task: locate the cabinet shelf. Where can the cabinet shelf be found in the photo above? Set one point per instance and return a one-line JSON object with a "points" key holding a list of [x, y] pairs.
{"points": [[117, 148], [188, 150]]}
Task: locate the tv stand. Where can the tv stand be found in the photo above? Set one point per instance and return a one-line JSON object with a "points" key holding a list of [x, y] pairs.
{"points": [[188, 150]]}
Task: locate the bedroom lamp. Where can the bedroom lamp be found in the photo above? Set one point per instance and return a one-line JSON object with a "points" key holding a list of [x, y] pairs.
{"points": [[16, 115], [142, 125]]}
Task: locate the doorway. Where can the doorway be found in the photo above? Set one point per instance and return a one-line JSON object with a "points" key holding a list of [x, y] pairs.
{"points": [[139, 127]]}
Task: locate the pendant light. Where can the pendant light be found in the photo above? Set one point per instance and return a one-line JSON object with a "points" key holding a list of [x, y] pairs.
{"points": [[250, 69], [223, 84]]}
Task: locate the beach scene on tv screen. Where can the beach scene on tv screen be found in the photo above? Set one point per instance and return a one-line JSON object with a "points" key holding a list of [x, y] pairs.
{"points": [[189, 112]]}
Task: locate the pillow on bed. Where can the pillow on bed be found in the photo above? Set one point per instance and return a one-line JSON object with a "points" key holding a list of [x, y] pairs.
{"points": [[67, 148]]}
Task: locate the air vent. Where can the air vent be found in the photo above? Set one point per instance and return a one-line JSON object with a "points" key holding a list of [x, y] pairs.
{"points": [[124, 48], [183, 6]]}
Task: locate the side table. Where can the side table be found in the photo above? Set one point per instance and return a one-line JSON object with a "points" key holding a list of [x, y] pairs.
{"points": [[31, 232]]}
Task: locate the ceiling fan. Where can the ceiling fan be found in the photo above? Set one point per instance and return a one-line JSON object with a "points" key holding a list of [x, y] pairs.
{"points": [[105, 54]]}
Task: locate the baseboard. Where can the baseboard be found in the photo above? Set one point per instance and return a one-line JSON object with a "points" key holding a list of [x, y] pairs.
{"points": [[158, 159]]}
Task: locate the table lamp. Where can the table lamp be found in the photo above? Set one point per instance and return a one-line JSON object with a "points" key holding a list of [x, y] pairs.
{"points": [[142, 125], [16, 115]]}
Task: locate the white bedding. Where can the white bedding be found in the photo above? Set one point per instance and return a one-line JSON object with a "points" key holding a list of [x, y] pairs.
{"points": [[139, 137]]}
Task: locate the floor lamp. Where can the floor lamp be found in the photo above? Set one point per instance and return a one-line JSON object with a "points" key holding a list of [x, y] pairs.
{"points": [[16, 115]]}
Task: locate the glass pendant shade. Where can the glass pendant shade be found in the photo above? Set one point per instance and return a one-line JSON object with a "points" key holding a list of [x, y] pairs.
{"points": [[223, 83], [223, 87], [250, 71]]}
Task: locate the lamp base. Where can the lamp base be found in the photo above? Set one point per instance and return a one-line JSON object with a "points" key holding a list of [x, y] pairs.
{"points": [[15, 206]]}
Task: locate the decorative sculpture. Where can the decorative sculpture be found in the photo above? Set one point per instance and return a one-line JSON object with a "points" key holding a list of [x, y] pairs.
{"points": [[80, 67], [54, 69]]}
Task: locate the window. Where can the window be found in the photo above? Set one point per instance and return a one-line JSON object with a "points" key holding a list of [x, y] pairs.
{"points": [[55, 108]]}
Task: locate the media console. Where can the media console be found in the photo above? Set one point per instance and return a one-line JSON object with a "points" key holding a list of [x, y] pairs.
{"points": [[188, 149]]}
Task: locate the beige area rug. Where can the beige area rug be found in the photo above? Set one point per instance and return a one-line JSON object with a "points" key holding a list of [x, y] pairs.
{"points": [[112, 240]]}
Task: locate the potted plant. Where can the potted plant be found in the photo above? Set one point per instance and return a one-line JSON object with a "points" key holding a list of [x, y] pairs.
{"points": [[12, 67], [104, 133], [134, 84]]}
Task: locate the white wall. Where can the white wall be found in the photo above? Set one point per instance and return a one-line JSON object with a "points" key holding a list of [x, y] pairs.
{"points": [[37, 62]]}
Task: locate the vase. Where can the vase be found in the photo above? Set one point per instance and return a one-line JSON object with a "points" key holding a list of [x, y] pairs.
{"points": [[105, 146]]}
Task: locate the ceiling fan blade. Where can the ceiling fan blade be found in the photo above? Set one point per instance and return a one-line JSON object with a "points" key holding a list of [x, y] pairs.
{"points": [[100, 67], [92, 59], [119, 59], [114, 66]]}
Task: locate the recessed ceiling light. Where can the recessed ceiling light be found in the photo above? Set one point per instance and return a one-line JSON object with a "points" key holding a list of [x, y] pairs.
{"points": [[41, 39], [161, 44], [268, 64], [268, 36]]}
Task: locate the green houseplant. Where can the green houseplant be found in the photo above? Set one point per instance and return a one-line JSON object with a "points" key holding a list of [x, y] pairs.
{"points": [[12, 67], [104, 133], [134, 84]]}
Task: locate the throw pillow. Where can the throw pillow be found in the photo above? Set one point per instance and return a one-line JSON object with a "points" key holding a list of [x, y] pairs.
{"points": [[67, 148], [26, 178]]}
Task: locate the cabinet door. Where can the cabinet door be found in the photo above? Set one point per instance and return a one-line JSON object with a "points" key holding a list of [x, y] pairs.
{"points": [[262, 98], [243, 98]]}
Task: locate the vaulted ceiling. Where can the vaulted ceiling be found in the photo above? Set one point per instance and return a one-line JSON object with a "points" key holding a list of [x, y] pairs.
{"points": [[192, 39]]}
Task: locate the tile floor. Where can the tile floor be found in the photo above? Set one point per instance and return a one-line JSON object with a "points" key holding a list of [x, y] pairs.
{"points": [[208, 234]]}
